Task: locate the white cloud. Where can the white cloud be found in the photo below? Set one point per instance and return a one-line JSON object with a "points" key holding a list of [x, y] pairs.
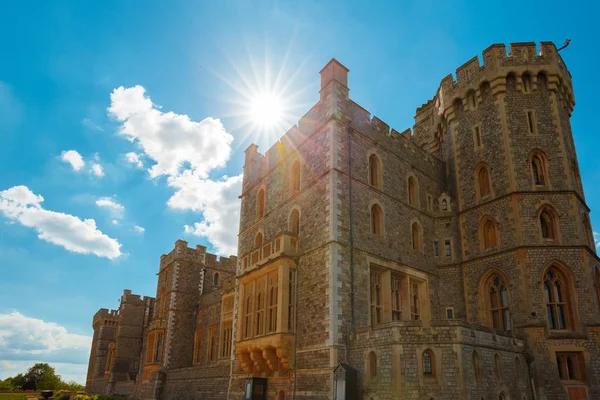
{"points": [[97, 170], [25, 341], [74, 158], [185, 151], [139, 229], [115, 209], [22, 205], [134, 158], [218, 201], [88, 123], [597, 239]]}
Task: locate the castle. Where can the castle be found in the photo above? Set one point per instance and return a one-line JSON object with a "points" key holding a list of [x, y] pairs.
{"points": [[453, 261]]}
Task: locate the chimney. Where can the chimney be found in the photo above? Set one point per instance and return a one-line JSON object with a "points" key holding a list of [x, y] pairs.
{"points": [[334, 71]]}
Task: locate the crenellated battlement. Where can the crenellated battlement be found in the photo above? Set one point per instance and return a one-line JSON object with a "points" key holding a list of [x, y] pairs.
{"points": [[182, 252], [521, 58], [105, 317]]}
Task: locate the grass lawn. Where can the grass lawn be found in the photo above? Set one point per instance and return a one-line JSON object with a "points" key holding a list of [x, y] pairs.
{"points": [[17, 396]]}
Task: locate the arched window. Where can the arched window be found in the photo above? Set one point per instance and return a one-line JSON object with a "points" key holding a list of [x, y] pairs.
{"points": [[483, 182], [548, 224], [259, 313], [376, 220], [428, 364], [416, 237], [159, 345], [295, 222], [489, 236], [375, 171], [538, 170], [557, 305], [498, 303], [295, 178], [258, 240], [260, 204], [372, 365], [476, 365], [216, 279], [497, 369], [413, 192]]}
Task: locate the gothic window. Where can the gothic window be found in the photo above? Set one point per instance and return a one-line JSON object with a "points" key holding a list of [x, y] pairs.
{"points": [[260, 204], [295, 222], [416, 237], [498, 303], [376, 298], [248, 317], [259, 313], [372, 365], [538, 170], [197, 346], [415, 305], [159, 347], [428, 364], [226, 331], [483, 182], [375, 171], [488, 234], [476, 365], [376, 220], [413, 192], [272, 306], [526, 78], [216, 279], [497, 368], [556, 294], [295, 178], [396, 298], [258, 240], [571, 366], [548, 224]]}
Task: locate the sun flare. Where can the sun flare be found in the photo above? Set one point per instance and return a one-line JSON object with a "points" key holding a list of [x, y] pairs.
{"points": [[266, 110]]}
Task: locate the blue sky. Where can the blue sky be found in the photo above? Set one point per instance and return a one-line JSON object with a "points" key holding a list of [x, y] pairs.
{"points": [[123, 126]]}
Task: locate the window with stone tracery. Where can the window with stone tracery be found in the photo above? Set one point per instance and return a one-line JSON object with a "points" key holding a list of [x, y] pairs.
{"points": [[376, 298], [247, 328], [396, 298], [571, 366], [498, 303], [415, 305], [259, 313], [272, 305], [428, 364], [557, 300]]}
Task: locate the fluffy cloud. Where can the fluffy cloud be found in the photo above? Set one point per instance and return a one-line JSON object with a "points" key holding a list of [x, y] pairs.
{"points": [[134, 158], [112, 206], [139, 229], [184, 151], [97, 170], [597, 239], [74, 158], [25, 338], [219, 204], [22, 205]]}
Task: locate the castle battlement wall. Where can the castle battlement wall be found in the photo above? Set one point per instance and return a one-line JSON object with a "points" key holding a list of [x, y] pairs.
{"points": [[182, 252]]}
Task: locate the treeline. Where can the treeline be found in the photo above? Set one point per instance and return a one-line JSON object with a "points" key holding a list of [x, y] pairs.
{"points": [[41, 376]]}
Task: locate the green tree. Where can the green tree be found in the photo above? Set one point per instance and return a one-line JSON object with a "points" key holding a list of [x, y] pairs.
{"points": [[19, 382], [42, 376], [6, 384]]}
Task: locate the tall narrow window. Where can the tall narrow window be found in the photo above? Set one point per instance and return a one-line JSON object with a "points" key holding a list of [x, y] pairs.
{"points": [[428, 364], [526, 78], [216, 279], [295, 222], [258, 240], [538, 170], [396, 298], [557, 307], [295, 178], [489, 235], [376, 298], [476, 365], [248, 317], [226, 331], [259, 313], [416, 237], [291, 299], [531, 124], [477, 138], [484, 182], [547, 224], [374, 171], [197, 346], [109, 358], [471, 100], [212, 343], [372, 365], [159, 347], [497, 368], [413, 192], [498, 303], [436, 251], [571, 366], [272, 306], [260, 204], [448, 248], [376, 220], [415, 305]]}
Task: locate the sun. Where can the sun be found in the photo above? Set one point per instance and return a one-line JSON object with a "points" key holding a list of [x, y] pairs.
{"points": [[266, 110]]}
